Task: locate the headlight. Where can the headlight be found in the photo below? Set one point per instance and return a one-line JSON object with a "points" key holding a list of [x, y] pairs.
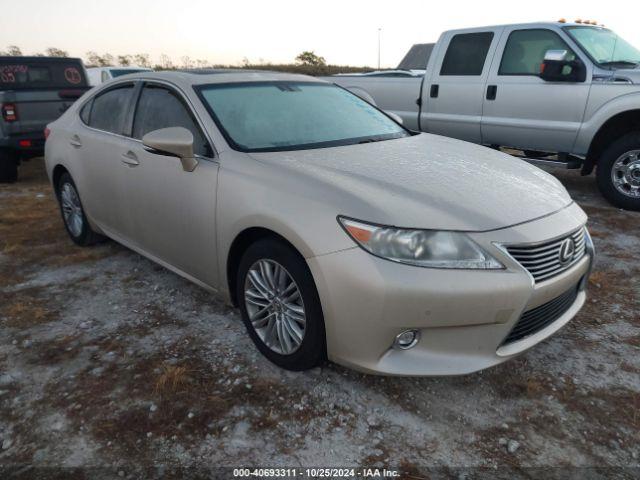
{"points": [[423, 248]]}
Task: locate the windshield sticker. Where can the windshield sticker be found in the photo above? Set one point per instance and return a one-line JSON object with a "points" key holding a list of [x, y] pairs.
{"points": [[72, 75], [8, 72]]}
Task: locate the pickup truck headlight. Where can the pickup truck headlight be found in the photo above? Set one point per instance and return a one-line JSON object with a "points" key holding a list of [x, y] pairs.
{"points": [[422, 248]]}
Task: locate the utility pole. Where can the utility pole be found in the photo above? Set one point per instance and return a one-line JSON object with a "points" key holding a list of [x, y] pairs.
{"points": [[379, 30]]}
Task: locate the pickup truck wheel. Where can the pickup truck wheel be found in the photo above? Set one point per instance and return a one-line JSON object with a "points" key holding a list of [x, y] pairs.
{"points": [[280, 305], [8, 166], [73, 216], [618, 172]]}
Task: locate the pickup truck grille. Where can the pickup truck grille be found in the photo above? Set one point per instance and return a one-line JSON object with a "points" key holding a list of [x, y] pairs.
{"points": [[536, 319], [545, 260]]}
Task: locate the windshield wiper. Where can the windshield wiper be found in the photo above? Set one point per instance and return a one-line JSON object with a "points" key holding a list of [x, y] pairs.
{"points": [[619, 62]]}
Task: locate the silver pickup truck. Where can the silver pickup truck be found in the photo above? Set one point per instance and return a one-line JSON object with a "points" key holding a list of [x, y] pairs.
{"points": [[560, 93]]}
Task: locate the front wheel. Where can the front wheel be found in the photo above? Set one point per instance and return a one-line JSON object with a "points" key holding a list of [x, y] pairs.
{"points": [[8, 166], [618, 172], [280, 305]]}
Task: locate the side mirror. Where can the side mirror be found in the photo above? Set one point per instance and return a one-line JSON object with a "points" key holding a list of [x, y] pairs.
{"points": [[395, 116], [174, 141], [558, 67]]}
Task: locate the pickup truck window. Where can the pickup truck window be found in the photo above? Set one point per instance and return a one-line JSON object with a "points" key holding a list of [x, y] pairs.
{"points": [[110, 109], [285, 115], [466, 54], [604, 46], [525, 49], [17, 74], [158, 108]]}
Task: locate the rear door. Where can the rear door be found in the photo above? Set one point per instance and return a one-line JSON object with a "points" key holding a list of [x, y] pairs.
{"points": [[452, 99], [98, 142], [523, 111]]}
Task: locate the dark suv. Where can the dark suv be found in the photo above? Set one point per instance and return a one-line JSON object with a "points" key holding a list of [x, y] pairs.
{"points": [[34, 91]]}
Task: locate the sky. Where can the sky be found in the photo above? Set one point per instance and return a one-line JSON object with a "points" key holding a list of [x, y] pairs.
{"points": [[344, 32]]}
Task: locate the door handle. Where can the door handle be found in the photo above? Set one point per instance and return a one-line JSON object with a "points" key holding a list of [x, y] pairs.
{"points": [[130, 159], [75, 141], [433, 92], [492, 90]]}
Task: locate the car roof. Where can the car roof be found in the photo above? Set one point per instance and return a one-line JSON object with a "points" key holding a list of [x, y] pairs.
{"points": [[186, 78], [528, 25]]}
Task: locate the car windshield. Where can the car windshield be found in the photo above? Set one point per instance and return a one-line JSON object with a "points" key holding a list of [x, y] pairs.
{"points": [[277, 116], [125, 71], [604, 46]]}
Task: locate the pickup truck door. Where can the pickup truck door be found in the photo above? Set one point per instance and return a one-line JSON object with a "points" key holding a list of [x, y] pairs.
{"points": [[520, 109], [454, 87]]}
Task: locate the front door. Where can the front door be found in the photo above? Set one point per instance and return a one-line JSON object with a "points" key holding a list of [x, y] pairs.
{"points": [[173, 211], [520, 109]]}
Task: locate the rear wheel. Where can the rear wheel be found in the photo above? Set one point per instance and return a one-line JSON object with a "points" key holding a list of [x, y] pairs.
{"points": [[73, 216], [280, 305], [8, 166], [618, 172]]}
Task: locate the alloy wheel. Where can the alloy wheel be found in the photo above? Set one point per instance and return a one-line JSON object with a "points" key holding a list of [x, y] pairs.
{"points": [[275, 307], [71, 209], [625, 174]]}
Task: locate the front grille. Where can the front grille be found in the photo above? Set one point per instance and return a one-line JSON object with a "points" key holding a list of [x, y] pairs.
{"points": [[536, 319], [542, 260]]}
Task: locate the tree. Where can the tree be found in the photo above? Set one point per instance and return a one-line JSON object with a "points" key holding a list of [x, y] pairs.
{"points": [[142, 60], [165, 62], [186, 62], [56, 52], [124, 60], [310, 58], [96, 60], [13, 51]]}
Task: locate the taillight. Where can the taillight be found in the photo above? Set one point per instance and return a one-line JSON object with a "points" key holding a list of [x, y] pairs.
{"points": [[9, 112], [47, 131]]}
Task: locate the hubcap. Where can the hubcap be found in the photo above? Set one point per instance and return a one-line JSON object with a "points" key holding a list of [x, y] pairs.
{"points": [[275, 306], [625, 174], [71, 209]]}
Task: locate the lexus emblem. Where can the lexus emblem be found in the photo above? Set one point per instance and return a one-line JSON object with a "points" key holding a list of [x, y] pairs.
{"points": [[567, 249]]}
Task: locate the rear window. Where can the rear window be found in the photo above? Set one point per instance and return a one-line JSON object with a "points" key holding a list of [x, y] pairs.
{"points": [[109, 109], [16, 74], [466, 54]]}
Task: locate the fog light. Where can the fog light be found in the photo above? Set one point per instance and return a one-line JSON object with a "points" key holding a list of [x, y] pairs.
{"points": [[406, 339]]}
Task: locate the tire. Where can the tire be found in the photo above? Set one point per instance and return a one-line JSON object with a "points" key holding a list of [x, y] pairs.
{"points": [[75, 222], [8, 166], [611, 164], [280, 318]]}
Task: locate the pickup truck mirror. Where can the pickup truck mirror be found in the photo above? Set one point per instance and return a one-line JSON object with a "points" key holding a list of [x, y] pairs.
{"points": [[557, 66], [174, 141], [395, 116]]}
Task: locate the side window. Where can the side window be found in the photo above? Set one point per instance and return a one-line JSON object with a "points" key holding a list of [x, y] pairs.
{"points": [[159, 107], [110, 109], [104, 76], [85, 112], [525, 51], [466, 54]]}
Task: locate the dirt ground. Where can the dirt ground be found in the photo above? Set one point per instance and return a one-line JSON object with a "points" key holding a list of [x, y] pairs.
{"points": [[110, 362]]}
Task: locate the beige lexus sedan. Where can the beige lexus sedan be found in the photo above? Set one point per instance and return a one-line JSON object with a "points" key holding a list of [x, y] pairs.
{"points": [[337, 232]]}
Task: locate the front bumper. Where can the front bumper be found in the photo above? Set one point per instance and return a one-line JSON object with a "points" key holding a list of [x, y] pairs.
{"points": [[463, 315]]}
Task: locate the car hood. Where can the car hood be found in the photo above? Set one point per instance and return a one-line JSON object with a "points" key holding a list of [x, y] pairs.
{"points": [[428, 181]]}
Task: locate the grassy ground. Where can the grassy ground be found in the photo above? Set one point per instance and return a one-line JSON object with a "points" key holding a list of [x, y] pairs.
{"points": [[108, 360]]}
